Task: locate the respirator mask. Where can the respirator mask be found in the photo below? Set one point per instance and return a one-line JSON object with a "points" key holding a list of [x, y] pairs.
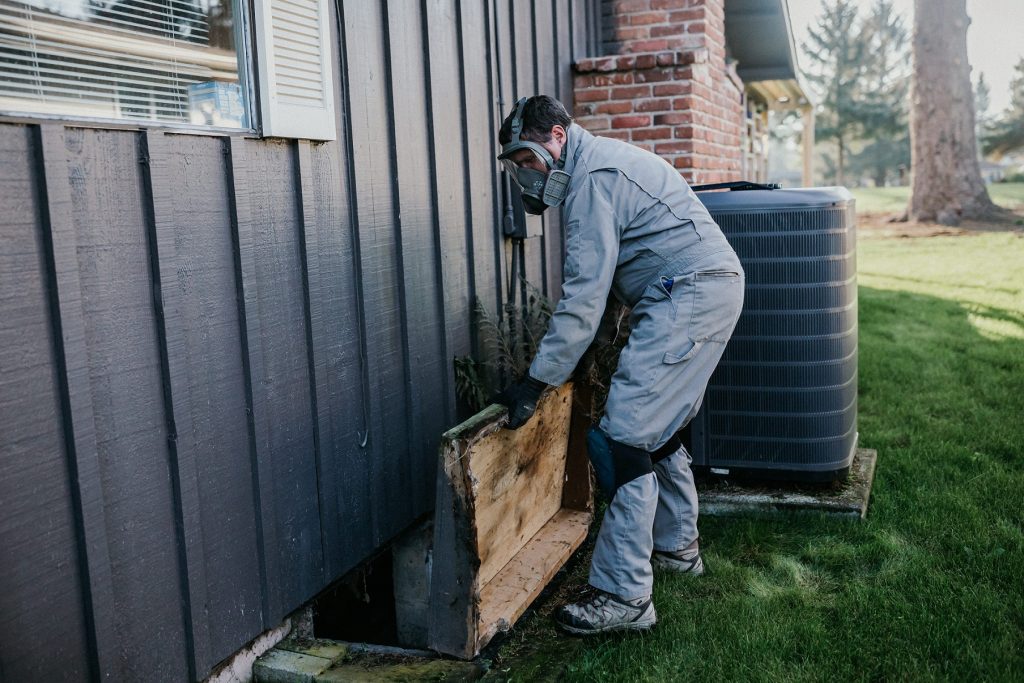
{"points": [[539, 189]]}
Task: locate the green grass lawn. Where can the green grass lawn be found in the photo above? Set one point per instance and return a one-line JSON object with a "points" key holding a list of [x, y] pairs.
{"points": [[931, 585], [894, 199]]}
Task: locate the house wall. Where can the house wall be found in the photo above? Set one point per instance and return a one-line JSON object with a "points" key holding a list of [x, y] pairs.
{"points": [[225, 362], [664, 84]]}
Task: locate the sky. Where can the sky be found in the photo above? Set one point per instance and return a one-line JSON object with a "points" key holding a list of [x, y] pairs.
{"points": [[995, 38]]}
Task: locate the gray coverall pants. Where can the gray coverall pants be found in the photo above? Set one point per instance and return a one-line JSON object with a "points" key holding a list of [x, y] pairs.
{"points": [[630, 222], [676, 342]]}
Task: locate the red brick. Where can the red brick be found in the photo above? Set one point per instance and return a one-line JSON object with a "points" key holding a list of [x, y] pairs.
{"points": [[662, 133], [615, 78], [633, 121], [682, 103], [686, 15], [684, 132], [654, 76], [617, 134], [649, 45], [665, 30], [677, 147], [648, 61], [631, 32], [683, 162], [673, 88], [616, 107], [630, 92], [696, 27], [648, 18], [672, 119], [591, 95], [662, 104], [670, 4]]}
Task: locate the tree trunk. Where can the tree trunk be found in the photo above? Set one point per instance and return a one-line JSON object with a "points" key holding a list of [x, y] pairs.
{"points": [[946, 184]]}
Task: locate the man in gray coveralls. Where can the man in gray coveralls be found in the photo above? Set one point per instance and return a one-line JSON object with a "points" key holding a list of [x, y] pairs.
{"points": [[635, 228]]}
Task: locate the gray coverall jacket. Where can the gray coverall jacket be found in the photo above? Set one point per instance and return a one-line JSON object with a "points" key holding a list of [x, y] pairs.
{"points": [[630, 221]]}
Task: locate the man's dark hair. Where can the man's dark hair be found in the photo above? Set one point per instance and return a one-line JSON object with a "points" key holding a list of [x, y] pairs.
{"points": [[539, 115]]}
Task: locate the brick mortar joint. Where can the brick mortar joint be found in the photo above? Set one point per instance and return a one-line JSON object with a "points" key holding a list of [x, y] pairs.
{"points": [[642, 61]]}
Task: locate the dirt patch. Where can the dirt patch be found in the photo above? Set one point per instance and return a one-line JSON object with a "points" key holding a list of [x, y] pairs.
{"points": [[885, 225]]}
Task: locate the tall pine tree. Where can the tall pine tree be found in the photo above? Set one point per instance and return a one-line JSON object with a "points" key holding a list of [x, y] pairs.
{"points": [[1007, 133], [885, 86], [836, 50]]}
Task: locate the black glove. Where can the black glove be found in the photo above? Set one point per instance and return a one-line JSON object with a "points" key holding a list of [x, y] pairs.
{"points": [[521, 400]]}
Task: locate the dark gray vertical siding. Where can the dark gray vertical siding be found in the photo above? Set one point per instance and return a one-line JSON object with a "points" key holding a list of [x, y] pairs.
{"points": [[373, 201], [545, 42], [194, 249], [450, 170], [266, 202], [524, 70], [429, 406], [225, 362], [125, 379], [482, 191], [336, 337], [40, 572]]}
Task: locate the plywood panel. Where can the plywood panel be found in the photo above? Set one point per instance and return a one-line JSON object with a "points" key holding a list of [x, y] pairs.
{"points": [[516, 482], [500, 531], [505, 597]]}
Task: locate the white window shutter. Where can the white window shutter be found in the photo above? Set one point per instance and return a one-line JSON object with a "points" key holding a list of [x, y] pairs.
{"points": [[294, 68]]}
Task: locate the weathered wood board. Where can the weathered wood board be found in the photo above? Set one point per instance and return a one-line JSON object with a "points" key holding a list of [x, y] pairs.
{"points": [[501, 528]]}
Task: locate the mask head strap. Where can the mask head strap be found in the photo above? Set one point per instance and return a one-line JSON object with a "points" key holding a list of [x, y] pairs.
{"points": [[517, 120]]}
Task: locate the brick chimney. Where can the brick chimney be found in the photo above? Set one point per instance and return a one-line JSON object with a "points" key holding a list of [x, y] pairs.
{"points": [[664, 85]]}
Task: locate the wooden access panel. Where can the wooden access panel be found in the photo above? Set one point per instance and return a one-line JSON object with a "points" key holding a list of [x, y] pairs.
{"points": [[509, 515]]}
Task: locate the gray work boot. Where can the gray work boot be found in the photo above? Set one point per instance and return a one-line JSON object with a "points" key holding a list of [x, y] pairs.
{"points": [[604, 612], [685, 561]]}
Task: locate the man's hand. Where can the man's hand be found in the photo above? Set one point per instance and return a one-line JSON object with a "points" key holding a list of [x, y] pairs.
{"points": [[521, 400]]}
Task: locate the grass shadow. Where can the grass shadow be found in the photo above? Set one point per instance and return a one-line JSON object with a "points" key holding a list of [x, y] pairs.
{"points": [[928, 586]]}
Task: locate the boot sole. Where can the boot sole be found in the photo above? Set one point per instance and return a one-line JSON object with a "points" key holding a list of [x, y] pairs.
{"points": [[631, 626]]}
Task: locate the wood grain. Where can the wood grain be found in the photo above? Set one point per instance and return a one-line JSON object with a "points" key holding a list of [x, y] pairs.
{"points": [[516, 479], [510, 592]]}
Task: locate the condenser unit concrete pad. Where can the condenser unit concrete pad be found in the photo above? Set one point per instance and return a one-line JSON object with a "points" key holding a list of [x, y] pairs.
{"points": [[847, 499]]}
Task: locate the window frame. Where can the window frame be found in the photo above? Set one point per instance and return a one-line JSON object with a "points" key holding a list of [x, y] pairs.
{"points": [[244, 36]]}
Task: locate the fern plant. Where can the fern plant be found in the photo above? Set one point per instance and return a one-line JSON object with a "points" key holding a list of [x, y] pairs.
{"points": [[509, 343]]}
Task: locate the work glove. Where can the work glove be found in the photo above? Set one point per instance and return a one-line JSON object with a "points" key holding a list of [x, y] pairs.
{"points": [[521, 401]]}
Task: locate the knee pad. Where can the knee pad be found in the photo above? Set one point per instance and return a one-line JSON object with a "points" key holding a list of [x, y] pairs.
{"points": [[615, 463]]}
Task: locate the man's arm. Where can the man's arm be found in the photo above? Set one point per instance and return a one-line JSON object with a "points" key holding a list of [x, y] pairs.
{"points": [[592, 251]]}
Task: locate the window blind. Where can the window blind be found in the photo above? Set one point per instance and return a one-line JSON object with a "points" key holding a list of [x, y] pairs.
{"points": [[157, 60]]}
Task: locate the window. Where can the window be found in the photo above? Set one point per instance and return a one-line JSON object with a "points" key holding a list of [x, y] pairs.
{"points": [[179, 62], [171, 61]]}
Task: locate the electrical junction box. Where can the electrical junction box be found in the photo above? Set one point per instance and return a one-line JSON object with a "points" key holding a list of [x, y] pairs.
{"points": [[520, 224]]}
